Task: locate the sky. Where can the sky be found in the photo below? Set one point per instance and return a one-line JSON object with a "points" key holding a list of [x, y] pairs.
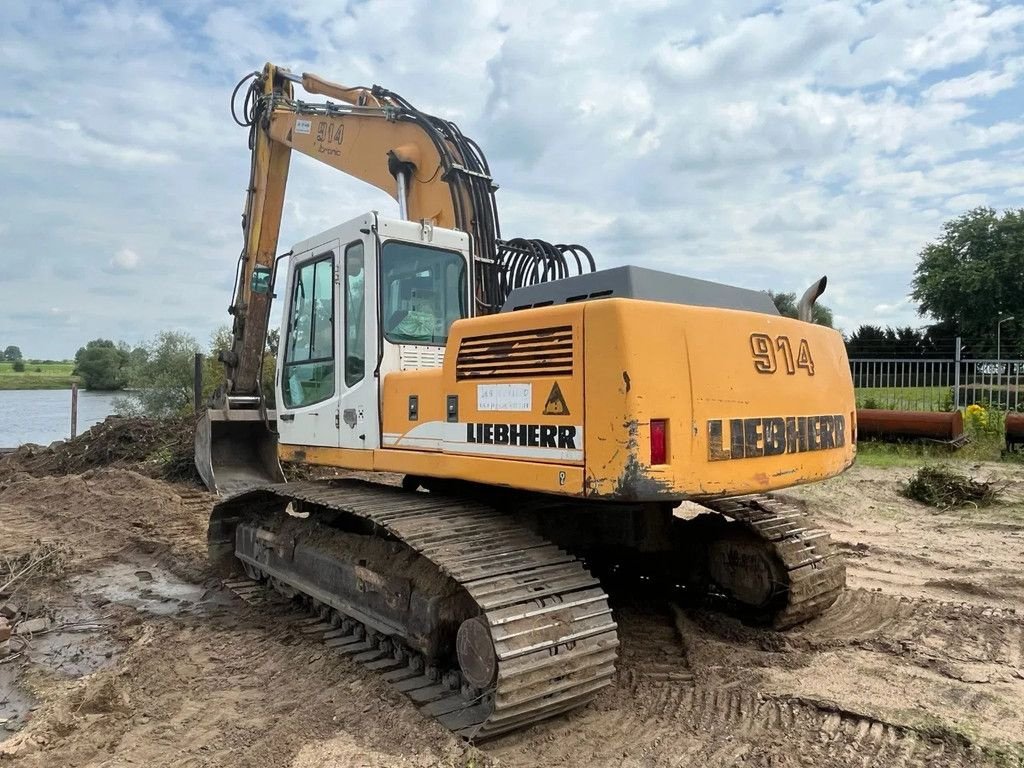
{"points": [[751, 143]]}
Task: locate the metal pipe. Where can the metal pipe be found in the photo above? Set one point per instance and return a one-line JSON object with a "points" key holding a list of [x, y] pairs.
{"points": [[999, 328], [805, 310], [885, 423], [1014, 430], [956, 374], [403, 196], [74, 410], [197, 382]]}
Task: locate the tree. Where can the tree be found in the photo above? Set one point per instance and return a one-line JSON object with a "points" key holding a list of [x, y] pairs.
{"points": [[867, 341], [972, 275], [102, 365], [213, 368], [160, 375], [12, 353], [786, 303]]}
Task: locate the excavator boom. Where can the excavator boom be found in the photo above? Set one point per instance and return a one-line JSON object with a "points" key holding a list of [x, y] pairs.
{"points": [[379, 139], [439, 178]]}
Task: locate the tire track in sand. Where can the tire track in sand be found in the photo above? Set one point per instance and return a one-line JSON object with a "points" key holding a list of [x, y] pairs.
{"points": [[719, 723]]}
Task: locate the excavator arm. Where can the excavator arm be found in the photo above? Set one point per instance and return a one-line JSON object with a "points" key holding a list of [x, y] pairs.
{"points": [[373, 136], [437, 175]]}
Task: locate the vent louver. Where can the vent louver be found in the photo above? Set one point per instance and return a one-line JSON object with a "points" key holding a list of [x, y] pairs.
{"points": [[516, 355]]}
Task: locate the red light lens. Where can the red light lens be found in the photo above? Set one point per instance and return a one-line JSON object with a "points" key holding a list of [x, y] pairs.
{"points": [[659, 440]]}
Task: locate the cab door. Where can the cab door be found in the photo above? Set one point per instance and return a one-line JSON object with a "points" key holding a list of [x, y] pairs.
{"points": [[308, 377], [359, 423], [327, 393]]}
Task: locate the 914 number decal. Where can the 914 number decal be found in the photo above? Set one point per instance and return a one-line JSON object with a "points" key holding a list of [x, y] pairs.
{"points": [[768, 351]]}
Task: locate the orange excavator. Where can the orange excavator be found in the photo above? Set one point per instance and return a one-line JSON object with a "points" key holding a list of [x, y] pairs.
{"points": [[545, 420]]}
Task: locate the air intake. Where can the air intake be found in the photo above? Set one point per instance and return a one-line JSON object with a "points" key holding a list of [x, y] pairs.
{"points": [[516, 355]]}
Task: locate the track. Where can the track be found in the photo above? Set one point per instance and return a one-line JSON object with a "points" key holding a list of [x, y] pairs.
{"points": [[547, 619], [811, 575]]}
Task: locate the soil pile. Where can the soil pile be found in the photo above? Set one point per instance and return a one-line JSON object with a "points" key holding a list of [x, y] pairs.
{"points": [[161, 448], [104, 511]]}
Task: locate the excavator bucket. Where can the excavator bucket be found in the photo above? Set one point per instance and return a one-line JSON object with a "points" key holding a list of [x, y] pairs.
{"points": [[236, 450]]}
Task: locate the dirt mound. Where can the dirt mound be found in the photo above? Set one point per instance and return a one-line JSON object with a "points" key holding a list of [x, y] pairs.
{"points": [[105, 510], [161, 448]]}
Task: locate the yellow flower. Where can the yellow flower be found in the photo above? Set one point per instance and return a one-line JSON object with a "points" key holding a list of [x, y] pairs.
{"points": [[977, 414]]}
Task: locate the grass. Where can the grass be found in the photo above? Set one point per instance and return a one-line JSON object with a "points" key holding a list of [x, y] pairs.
{"points": [[983, 447], [874, 453], [903, 398], [37, 376]]}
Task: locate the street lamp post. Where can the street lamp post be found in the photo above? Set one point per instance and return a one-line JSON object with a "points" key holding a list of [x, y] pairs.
{"points": [[999, 355]]}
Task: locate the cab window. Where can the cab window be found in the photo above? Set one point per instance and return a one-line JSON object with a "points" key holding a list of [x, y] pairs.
{"points": [[309, 346], [355, 314], [424, 292]]}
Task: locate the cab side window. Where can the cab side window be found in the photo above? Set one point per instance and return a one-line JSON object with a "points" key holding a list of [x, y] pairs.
{"points": [[355, 315], [309, 345]]}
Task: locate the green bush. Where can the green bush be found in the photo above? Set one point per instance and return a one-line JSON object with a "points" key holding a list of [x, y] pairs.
{"points": [[18, 366]]}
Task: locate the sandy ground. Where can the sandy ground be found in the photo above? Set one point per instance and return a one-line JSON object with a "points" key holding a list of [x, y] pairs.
{"points": [[148, 662]]}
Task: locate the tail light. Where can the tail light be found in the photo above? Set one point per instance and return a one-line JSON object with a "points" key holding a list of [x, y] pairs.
{"points": [[659, 441]]}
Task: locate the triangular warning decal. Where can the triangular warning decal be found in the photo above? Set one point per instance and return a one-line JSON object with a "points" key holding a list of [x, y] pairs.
{"points": [[555, 406]]}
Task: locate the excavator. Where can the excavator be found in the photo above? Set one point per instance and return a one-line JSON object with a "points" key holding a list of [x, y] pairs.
{"points": [[520, 429]]}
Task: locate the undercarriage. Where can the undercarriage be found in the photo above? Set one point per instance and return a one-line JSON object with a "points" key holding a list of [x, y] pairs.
{"points": [[492, 617]]}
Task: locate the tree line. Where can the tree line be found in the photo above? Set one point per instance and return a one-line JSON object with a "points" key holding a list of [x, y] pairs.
{"points": [[157, 377], [968, 283]]}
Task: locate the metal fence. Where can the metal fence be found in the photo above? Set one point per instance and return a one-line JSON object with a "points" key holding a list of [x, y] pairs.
{"points": [[938, 385]]}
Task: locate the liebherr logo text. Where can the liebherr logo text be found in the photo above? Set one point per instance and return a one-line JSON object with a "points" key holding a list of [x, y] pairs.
{"points": [[531, 435], [774, 435]]}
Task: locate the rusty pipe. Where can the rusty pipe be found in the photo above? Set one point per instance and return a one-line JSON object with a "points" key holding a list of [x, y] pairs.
{"points": [[872, 422], [1015, 425]]}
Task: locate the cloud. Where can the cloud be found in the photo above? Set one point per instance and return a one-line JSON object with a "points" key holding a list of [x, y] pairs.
{"points": [[125, 260], [751, 144], [977, 85]]}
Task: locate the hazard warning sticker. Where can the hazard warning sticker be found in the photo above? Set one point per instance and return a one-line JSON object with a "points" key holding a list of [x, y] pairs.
{"points": [[555, 405]]}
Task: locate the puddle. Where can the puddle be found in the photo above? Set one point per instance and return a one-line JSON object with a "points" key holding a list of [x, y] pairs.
{"points": [[74, 640], [71, 643], [15, 702], [150, 589]]}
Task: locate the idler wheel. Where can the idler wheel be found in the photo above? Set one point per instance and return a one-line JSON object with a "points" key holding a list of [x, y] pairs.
{"points": [[475, 648]]}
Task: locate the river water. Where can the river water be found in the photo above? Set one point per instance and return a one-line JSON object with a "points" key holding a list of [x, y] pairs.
{"points": [[44, 415]]}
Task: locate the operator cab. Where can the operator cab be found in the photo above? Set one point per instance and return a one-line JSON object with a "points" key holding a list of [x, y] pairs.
{"points": [[370, 296]]}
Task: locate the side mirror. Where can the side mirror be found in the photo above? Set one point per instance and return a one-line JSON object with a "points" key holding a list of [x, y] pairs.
{"points": [[260, 282]]}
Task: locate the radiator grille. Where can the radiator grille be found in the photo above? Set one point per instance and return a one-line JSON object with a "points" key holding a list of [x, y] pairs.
{"points": [[536, 352]]}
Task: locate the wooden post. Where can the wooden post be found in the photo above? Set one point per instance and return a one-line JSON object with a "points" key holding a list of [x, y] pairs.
{"points": [[74, 409], [197, 383]]}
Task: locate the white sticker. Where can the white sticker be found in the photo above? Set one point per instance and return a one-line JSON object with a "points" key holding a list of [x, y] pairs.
{"points": [[504, 397], [303, 126]]}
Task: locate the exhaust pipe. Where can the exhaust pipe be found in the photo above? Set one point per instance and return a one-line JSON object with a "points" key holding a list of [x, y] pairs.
{"points": [[805, 309]]}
